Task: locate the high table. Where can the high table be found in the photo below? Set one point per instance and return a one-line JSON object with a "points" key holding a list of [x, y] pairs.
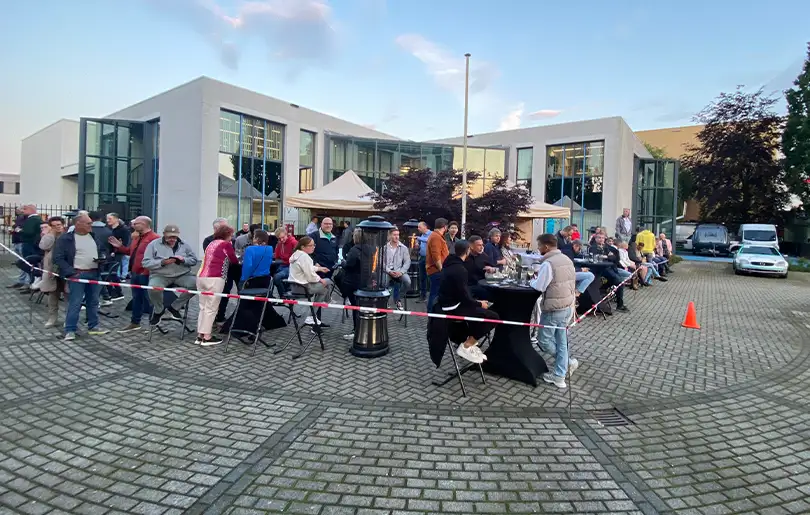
{"points": [[511, 353]]}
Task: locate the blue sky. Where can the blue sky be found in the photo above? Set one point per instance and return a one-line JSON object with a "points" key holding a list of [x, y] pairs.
{"points": [[397, 65]]}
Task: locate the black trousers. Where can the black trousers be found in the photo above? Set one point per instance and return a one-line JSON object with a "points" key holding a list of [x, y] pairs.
{"points": [[613, 279], [234, 274], [476, 329]]}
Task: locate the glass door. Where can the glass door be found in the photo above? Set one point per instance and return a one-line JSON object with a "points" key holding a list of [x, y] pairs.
{"points": [[118, 166], [656, 196]]}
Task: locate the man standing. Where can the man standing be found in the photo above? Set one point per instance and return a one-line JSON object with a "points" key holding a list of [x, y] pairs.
{"points": [[663, 250], [435, 255], [139, 275], [313, 225], [424, 234], [624, 227], [326, 246], [76, 256], [169, 261], [397, 264], [122, 234], [245, 229], [556, 278], [29, 236], [208, 239], [16, 240]]}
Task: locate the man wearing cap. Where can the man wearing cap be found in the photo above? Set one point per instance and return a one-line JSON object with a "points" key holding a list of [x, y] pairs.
{"points": [[169, 261]]}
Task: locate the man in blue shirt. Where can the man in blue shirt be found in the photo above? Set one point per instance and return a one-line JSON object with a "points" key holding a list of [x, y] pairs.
{"points": [[424, 233]]}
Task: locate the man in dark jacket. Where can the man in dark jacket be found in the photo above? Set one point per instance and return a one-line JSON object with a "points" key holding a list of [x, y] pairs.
{"points": [[76, 255], [16, 240], [455, 299], [599, 247], [28, 231], [477, 264], [326, 246], [121, 233]]}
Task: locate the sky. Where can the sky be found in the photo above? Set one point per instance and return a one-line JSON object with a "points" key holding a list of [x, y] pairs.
{"points": [[398, 65]]}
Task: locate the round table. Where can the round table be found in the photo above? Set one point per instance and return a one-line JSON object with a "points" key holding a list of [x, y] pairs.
{"points": [[511, 353]]}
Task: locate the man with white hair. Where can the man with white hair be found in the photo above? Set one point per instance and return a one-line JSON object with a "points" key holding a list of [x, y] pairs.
{"points": [[144, 235], [81, 212], [208, 239]]}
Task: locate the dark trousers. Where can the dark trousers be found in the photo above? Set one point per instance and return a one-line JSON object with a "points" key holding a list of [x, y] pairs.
{"points": [[140, 300], [435, 282], [477, 329], [614, 278], [355, 313], [422, 278], [479, 292]]}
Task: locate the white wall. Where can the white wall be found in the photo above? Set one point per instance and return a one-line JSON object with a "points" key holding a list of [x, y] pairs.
{"points": [[47, 158], [619, 151]]}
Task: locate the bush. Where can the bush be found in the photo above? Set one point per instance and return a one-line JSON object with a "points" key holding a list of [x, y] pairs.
{"points": [[675, 259], [800, 265]]}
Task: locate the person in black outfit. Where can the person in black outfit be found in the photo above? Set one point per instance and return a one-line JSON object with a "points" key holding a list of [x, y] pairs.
{"points": [[455, 299], [477, 264], [599, 247], [352, 272]]}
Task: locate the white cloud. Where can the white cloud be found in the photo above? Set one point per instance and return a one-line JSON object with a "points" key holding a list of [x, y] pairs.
{"points": [[447, 68], [512, 119], [545, 113], [298, 32]]}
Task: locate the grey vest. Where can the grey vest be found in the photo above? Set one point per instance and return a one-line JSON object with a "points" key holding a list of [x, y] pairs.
{"points": [[561, 293]]}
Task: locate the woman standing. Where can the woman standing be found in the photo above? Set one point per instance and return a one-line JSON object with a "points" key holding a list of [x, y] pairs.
{"points": [[51, 283], [219, 255]]}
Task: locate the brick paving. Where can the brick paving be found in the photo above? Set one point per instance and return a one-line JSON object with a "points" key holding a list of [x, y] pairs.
{"points": [[720, 418]]}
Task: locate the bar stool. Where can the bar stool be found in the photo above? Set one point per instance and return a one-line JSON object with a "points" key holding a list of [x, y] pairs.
{"points": [[303, 293]]}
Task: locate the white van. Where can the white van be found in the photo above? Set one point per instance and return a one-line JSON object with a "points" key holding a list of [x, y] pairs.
{"points": [[763, 235]]}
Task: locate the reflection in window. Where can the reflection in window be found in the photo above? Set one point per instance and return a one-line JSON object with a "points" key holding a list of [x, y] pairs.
{"points": [[525, 158], [490, 163], [306, 160], [574, 178], [250, 181]]}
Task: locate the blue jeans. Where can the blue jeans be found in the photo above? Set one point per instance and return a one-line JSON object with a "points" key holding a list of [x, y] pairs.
{"points": [[82, 292], [140, 300], [435, 282], [584, 279], [651, 272], [282, 273], [624, 274], [555, 341], [423, 277]]}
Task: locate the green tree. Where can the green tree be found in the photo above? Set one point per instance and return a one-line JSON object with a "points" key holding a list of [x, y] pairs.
{"points": [[796, 138], [656, 152], [737, 174]]}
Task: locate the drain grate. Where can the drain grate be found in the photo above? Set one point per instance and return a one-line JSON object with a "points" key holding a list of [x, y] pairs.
{"points": [[611, 418]]}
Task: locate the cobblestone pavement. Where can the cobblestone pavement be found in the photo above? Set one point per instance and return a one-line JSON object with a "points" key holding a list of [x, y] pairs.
{"points": [[719, 418]]}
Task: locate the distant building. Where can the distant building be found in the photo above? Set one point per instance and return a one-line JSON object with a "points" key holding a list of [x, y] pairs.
{"points": [[9, 188], [49, 165]]}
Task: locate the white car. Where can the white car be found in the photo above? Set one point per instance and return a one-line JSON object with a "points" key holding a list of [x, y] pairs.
{"points": [[761, 260]]}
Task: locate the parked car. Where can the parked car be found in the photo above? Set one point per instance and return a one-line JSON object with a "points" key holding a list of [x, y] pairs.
{"points": [[712, 239], [760, 259], [758, 234], [687, 245]]}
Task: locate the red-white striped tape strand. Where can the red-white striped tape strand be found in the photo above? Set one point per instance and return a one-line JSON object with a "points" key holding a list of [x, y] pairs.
{"points": [[288, 301]]}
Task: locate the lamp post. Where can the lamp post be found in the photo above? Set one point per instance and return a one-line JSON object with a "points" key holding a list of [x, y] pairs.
{"points": [[464, 151]]}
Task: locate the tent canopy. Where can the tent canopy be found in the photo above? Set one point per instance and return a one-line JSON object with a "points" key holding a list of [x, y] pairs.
{"points": [[542, 210], [346, 193]]}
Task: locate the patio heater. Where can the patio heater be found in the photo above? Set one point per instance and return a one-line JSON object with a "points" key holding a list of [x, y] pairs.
{"points": [[371, 336], [409, 235]]}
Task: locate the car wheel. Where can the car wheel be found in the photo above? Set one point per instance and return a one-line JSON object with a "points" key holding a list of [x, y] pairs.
{"points": [[737, 272], [783, 276]]}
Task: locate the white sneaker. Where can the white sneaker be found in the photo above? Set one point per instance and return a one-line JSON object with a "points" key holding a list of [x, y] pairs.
{"points": [[573, 365], [469, 353], [559, 382], [348, 337], [479, 352], [309, 321], [104, 303], [69, 337], [35, 285]]}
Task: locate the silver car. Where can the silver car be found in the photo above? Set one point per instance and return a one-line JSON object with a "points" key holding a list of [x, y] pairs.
{"points": [[761, 260]]}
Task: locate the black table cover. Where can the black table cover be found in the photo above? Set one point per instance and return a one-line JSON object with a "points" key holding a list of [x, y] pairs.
{"points": [[511, 353]]}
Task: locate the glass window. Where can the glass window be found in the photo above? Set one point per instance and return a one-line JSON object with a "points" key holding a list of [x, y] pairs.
{"points": [[388, 155], [305, 182], [306, 156], [410, 157], [108, 140], [229, 132], [574, 179], [275, 141], [525, 159], [495, 166], [2, 187], [92, 145], [364, 158], [16, 188], [337, 157], [123, 141]]}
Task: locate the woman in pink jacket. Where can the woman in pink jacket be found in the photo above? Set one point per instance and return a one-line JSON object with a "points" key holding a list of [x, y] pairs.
{"points": [[211, 278]]}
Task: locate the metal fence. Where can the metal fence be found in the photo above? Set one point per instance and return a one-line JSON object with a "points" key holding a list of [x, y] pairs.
{"points": [[9, 212]]}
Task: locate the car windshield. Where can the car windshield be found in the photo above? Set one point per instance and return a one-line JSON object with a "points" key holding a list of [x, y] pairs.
{"points": [[762, 251], [759, 235], [712, 234]]}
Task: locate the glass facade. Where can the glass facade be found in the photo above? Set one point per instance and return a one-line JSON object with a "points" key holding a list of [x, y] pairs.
{"points": [[306, 161], [250, 170], [574, 179], [119, 166], [374, 160], [656, 182], [525, 158]]}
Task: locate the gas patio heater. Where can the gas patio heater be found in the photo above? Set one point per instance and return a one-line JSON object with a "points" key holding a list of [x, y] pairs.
{"points": [[371, 336], [409, 235]]}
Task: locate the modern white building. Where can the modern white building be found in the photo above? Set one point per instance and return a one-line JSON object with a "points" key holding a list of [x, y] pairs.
{"points": [[9, 188], [207, 149], [49, 165]]}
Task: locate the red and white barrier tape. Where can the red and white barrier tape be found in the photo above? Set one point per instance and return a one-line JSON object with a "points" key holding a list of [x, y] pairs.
{"points": [[286, 301]]}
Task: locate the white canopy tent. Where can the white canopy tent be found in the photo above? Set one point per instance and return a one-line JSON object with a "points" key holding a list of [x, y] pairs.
{"points": [[540, 209], [346, 193]]}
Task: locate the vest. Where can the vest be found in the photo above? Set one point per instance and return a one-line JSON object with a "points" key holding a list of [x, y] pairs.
{"points": [[561, 293]]}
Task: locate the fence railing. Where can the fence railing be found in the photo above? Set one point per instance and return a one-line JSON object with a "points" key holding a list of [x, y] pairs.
{"points": [[9, 213]]}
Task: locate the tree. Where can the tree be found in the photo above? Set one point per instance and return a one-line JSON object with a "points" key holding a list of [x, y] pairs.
{"points": [[796, 138], [656, 152], [427, 195], [735, 168]]}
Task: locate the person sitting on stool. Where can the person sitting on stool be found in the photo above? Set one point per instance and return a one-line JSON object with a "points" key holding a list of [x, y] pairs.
{"points": [[455, 299], [169, 261]]}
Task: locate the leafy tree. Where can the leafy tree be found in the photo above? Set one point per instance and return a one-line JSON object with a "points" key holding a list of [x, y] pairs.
{"points": [[737, 174], [252, 173], [796, 138], [656, 152], [427, 195]]}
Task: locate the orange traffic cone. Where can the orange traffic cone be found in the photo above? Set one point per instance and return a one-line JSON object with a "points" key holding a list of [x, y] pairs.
{"points": [[690, 322]]}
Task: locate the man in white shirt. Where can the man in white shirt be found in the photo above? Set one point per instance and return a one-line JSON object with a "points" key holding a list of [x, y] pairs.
{"points": [[76, 256]]}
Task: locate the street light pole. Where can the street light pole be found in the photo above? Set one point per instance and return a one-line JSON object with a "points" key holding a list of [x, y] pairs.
{"points": [[464, 151]]}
